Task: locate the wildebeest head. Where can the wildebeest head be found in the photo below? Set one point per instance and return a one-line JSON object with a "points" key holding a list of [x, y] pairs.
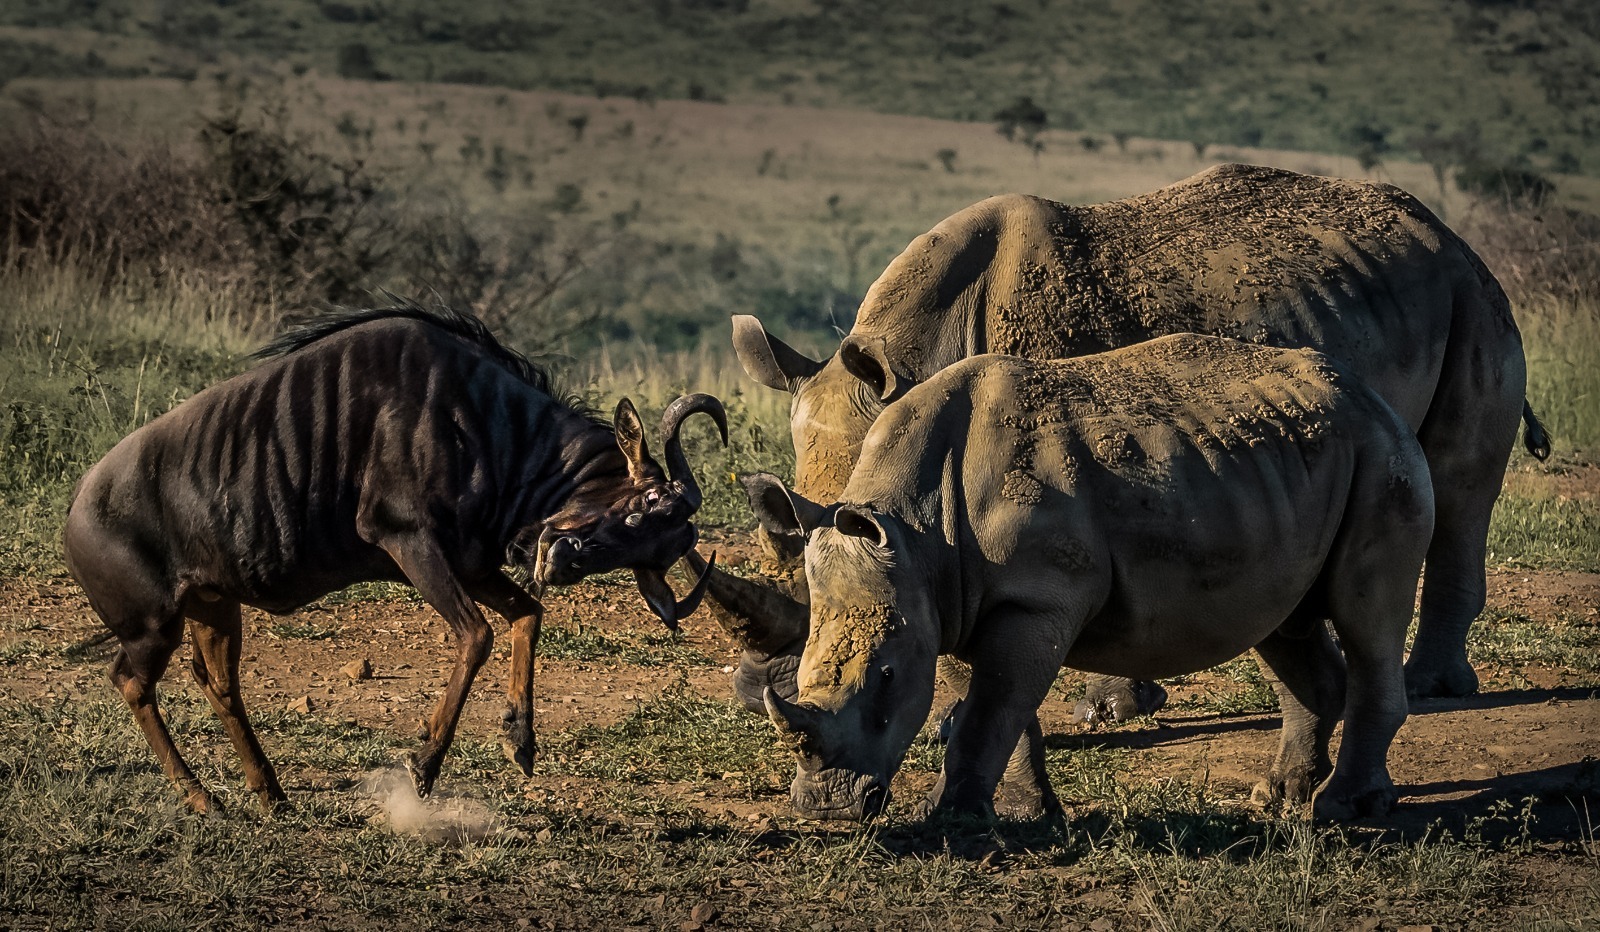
{"points": [[867, 675], [640, 522]]}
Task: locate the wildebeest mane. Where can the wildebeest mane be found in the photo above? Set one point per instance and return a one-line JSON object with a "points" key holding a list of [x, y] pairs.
{"points": [[307, 329]]}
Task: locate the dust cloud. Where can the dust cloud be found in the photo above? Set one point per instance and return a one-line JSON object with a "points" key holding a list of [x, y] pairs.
{"points": [[441, 818]]}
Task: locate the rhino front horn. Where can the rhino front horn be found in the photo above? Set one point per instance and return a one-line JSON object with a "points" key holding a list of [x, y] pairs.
{"points": [[793, 720]]}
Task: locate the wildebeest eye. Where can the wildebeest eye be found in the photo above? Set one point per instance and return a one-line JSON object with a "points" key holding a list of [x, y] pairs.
{"points": [[633, 520], [888, 673]]}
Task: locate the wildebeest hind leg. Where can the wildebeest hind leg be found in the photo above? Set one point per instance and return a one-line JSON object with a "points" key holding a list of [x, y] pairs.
{"points": [[1306, 671], [135, 671], [214, 631], [524, 612], [424, 564]]}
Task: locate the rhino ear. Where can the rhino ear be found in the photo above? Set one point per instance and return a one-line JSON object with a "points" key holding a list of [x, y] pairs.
{"points": [[860, 522], [867, 358], [778, 509], [768, 359]]}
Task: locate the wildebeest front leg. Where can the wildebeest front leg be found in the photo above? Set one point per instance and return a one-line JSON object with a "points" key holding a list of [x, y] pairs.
{"points": [[214, 631], [1306, 671], [424, 564], [525, 613]]}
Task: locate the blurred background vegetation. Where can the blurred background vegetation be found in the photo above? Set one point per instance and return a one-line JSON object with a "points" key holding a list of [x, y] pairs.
{"points": [[606, 182]]}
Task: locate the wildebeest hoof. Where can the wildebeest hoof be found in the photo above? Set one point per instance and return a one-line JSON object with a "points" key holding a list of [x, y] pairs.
{"points": [[1114, 699], [424, 769], [203, 803], [1449, 680], [1339, 805], [519, 744]]}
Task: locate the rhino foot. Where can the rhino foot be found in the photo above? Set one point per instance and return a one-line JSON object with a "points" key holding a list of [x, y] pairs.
{"points": [[1427, 679], [1022, 803], [1116, 699], [1339, 803], [1280, 790]]}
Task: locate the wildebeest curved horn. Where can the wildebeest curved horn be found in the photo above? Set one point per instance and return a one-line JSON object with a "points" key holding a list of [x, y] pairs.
{"points": [[792, 719], [658, 594], [671, 420], [755, 613]]}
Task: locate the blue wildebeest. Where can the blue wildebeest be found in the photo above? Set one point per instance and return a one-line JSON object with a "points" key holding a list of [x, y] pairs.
{"points": [[391, 444]]}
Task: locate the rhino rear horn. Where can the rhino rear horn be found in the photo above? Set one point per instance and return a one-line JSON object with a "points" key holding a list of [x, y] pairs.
{"points": [[768, 359], [756, 613]]}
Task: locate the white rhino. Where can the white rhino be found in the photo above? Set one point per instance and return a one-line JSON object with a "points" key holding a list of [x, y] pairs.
{"points": [[1361, 271], [1144, 512]]}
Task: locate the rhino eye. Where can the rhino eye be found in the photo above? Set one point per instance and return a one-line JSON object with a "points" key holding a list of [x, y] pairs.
{"points": [[633, 520]]}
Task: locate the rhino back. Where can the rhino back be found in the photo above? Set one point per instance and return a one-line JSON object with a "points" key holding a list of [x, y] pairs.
{"points": [[258, 484], [1361, 271]]}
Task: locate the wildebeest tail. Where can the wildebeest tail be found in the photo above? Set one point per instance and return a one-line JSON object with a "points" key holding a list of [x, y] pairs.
{"points": [[1534, 436]]}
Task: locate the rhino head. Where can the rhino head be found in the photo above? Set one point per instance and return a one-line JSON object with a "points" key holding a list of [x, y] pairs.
{"points": [[866, 678], [833, 405]]}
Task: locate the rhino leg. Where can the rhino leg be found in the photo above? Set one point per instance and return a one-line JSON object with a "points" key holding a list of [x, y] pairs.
{"points": [[1306, 670], [1117, 699], [1024, 791], [1468, 434], [1008, 682]]}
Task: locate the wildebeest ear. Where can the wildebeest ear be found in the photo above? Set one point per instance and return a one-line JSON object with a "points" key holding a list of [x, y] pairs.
{"points": [[768, 359], [867, 358], [630, 440], [860, 522], [780, 510]]}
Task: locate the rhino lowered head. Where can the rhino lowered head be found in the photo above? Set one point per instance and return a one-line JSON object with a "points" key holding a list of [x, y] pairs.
{"points": [[866, 680]]}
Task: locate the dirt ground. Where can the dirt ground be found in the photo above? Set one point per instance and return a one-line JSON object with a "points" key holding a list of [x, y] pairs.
{"points": [[1533, 730]]}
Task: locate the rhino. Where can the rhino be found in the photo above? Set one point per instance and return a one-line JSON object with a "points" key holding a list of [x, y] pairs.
{"points": [[1361, 271], [1143, 512]]}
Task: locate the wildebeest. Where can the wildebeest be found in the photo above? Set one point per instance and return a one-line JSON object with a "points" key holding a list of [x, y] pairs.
{"points": [[1147, 512], [1361, 271], [390, 444]]}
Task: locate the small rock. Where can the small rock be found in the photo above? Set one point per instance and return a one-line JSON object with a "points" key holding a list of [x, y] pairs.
{"points": [[1103, 924], [358, 669], [702, 912], [301, 705], [543, 835], [1421, 928]]}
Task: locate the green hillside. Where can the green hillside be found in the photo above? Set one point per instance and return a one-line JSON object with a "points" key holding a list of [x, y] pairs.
{"points": [[1503, 82]]}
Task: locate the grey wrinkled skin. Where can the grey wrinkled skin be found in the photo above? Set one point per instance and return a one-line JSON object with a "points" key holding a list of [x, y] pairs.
{"points": [[1117, 699], [1141, 513], [1361, 271]]}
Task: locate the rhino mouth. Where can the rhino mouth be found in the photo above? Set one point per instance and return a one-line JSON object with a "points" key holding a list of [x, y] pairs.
{"points": [[838, 795]]}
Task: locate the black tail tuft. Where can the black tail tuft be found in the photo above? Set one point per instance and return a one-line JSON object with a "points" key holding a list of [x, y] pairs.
{"points": [[1534, 437]]}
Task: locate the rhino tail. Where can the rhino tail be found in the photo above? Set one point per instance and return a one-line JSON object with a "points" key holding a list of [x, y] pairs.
{"points": [[1534, 437]]}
